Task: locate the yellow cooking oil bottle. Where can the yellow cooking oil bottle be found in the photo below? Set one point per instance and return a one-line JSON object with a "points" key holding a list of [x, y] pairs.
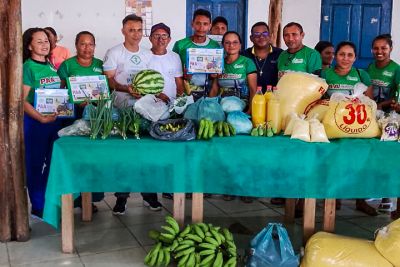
{"points": [[268, 95], [274, 113], [258, 108]]}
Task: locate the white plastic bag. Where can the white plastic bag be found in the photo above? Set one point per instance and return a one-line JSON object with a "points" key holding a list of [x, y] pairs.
{"points": [[290, 120], [317, 131], [152, 108], [390, 127], [301, 129], [78, 128], [180, 104], [232, 103]]}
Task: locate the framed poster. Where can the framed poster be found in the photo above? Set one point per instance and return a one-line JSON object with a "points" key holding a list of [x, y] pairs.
{"points": [[50, 101], [141, 8], [205, 60], [88, 88]]}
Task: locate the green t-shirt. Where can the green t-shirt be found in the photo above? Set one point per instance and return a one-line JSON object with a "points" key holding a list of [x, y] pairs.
{"points": [[305, 60], [198, 82], [344, 84], [71, 68], [39, 75], [233, 82], [385, 81]]}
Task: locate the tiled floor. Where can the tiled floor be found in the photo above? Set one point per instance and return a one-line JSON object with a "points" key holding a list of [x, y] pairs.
{"points": [[122, 241]]}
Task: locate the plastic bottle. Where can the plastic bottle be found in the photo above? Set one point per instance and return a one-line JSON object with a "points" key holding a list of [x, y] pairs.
{"points": [[274, 114], [268, 95], [258, 108]]}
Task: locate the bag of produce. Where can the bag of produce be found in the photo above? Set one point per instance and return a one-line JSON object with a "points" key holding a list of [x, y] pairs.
{"points": [[317, 109], [301, 129], [351, 116], [180, 104], [79, 127], [232, 103], [330, 250], [387, 242], [317, 131], [389, 126], [297, 90], [290, 120], [205, 108], [272, 248], [152, 108], [240, 121], [173, 130]]}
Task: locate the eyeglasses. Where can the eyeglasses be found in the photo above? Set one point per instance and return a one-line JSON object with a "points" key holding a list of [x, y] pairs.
{"points": [[163, 36], [259, 34], [234, 43]]}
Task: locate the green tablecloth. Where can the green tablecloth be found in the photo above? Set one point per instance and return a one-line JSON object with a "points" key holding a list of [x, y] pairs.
{"points": [[241, 165]]}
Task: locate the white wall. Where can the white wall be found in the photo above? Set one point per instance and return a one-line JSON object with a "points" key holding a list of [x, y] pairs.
{"points": [[104, 20]]}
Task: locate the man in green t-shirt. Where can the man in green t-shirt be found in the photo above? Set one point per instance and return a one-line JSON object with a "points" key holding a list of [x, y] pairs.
{"points": [[297, 57], [201, 24]]}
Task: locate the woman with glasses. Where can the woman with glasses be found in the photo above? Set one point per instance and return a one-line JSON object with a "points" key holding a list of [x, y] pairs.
{"points": [[239, 78]]}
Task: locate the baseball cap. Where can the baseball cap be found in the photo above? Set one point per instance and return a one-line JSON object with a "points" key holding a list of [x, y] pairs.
{"points": [[160, 26]]}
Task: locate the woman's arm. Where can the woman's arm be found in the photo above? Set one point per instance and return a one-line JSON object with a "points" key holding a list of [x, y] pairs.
{"points": [[214, 88]]}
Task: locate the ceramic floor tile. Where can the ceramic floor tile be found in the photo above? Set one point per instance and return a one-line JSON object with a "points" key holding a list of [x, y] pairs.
{"points": [[100, 220], [142, 215], [74, 262], [349, 229], [3, 254], [105, 240], [121, 258], [37, 249], [236, 205], [41, 229], [371, 223], [140, 231], [209, 208]]}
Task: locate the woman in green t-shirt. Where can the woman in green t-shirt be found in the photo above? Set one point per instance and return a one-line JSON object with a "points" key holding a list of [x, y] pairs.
{"points": [[240, 73], [40, 131], [384, 72], [343, 76]]}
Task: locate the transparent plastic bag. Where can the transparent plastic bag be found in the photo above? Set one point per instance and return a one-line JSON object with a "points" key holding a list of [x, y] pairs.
{"points": [[186, 133], [232, 103], [301, 129], [180, 104], [272, 248], [317, 131], [290, 120], [390, 127], [151, 108], [240, 121], [78, 128]]}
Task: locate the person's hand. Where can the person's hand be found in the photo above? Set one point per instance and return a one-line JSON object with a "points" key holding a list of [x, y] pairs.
{"points": [[163, 97], [133, 92], [395, 106], [83, 104], [48, 118], [379, 106], [186, 76]]}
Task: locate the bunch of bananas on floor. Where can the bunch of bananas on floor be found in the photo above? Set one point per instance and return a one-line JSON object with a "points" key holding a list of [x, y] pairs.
{"points": [[207, 129], [197, 245], [263, 130]]}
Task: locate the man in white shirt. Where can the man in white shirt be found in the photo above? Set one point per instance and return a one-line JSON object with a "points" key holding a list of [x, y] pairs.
{"points": [[166, 62], [121, 64]]}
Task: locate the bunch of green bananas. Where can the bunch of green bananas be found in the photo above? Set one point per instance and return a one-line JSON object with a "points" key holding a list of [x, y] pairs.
{"points": [[224, 129], [200, 244], [263, 130], [206, 129]]}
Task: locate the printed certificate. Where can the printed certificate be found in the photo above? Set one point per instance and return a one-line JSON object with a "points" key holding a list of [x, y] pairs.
{"points": [[205, 60], [50, 101], [87, 88]]}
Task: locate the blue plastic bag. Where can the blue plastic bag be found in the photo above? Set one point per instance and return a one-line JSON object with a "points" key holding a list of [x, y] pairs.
{"points": [[272, 248], [205, 108], [240, 121], [232, 103]]}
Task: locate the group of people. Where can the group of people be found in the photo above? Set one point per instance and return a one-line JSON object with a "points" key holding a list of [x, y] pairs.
{"points": [[47, 65]]}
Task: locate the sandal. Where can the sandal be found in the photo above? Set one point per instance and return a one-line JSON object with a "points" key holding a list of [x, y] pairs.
{"points": [[385, 207], [363, 206]]}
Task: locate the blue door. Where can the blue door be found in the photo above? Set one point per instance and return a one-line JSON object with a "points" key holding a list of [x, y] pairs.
{"points": [[358, 21], [233, 10]]}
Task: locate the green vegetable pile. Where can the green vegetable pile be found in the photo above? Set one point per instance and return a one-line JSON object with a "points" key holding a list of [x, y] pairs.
{"points": [[263, 130], [103, 122], [208, 129], [197, 244]]}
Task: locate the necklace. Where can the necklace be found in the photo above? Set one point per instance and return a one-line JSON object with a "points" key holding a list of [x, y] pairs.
{"points": [[260, 69]]}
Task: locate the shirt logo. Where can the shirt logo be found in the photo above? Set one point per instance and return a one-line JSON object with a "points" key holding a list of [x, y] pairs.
{"points": [[136, 60], [95, 69], [238, 66], [351, 78], [297, 61], [387, 73]]}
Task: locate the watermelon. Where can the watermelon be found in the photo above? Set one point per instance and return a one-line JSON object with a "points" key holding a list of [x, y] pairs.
{"points": [[148, 82]]}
